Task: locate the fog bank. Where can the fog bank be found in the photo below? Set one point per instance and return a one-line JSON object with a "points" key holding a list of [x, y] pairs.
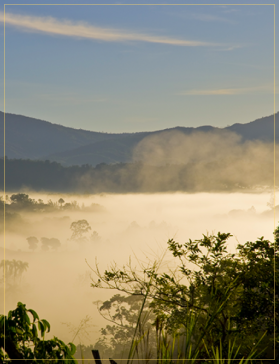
{"points": [[57, 282]]}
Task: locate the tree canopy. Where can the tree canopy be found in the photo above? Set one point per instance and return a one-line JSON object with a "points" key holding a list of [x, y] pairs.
{"points": [[224, 297]]}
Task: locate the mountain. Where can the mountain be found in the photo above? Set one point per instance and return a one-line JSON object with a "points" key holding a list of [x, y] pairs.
{"points": [[30, 138], [260, 129]]}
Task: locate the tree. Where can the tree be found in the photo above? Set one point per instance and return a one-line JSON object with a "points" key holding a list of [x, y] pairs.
{"points": [[94, 237], [33, 242], [13, 269], [22, 341], [83, 330], [122, 312], [52, 242], [61, 202], [79, 228], [22, 200], [21, 267], [230, 297]]}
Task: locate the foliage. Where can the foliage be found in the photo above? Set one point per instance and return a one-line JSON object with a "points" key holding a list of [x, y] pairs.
{"points": [[19, 339], [122, 312], [232, 298]]}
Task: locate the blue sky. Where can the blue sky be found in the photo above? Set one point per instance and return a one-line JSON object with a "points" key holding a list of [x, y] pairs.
{"points": [[134, 68]]}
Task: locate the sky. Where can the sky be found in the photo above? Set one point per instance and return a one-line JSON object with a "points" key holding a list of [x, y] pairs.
{"points": [[130, 68]]}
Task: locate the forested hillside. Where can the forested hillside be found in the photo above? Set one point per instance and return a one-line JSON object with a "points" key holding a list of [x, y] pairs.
{"points": [[135, 177], [29, 138]]}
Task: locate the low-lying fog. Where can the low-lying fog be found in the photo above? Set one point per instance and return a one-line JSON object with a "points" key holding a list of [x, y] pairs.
{"points": [[57, 284]]}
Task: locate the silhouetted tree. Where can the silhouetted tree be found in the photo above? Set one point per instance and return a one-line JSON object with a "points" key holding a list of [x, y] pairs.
{"points": [[79, 228], [13, 269], [50, 243], [33, 242], [61, 202], [22, 200], [54, 243], [94, 237]]}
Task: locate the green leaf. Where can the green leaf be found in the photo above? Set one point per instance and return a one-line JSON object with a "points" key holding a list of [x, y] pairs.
{"points": [[46, 325], [34, 331], [41, 328], [34, 314], [19, 331], [27, 319], [72, 348]]}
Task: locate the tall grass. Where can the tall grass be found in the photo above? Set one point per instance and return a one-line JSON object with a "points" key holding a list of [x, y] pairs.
{"points": [[180, 348], [217, 353], [188, 345]]}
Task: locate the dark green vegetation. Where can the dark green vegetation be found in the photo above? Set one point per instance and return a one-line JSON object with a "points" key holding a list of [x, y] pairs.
{"points": [[19, 340], [215, 176], [30, 138], [214, 305]]}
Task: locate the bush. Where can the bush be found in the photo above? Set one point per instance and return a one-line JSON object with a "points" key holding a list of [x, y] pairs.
{"points": [[19, 339]]}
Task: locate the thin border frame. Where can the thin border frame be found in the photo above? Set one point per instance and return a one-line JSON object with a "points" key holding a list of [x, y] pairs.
{"points": [[4, 199]]}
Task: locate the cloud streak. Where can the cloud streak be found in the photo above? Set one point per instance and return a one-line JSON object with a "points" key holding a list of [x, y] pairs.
{"points": [[209, 18], [229, 91], [83, 30]]}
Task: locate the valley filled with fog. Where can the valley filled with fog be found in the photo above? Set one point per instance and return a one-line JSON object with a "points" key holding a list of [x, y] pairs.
{"points": [[57, 281], [139, 171]]}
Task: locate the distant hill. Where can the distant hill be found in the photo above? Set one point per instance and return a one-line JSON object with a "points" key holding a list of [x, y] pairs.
{"points": [[260, 129], [29, 138], [215, 176]]}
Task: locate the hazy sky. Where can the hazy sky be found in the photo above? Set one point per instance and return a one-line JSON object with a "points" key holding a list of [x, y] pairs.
{"points": [[134, 68]]}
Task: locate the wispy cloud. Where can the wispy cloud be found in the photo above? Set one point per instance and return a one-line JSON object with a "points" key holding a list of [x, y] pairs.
{"points": [[52, 26], [211, 18], [230, 48], [229, 91], [226, 9], [205, 17]]}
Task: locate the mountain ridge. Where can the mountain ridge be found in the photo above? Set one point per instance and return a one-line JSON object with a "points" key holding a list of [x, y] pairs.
{"points": [[31, 138]]}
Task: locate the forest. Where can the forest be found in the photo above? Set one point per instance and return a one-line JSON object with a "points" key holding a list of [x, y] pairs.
{"points": [[227, 174]]}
